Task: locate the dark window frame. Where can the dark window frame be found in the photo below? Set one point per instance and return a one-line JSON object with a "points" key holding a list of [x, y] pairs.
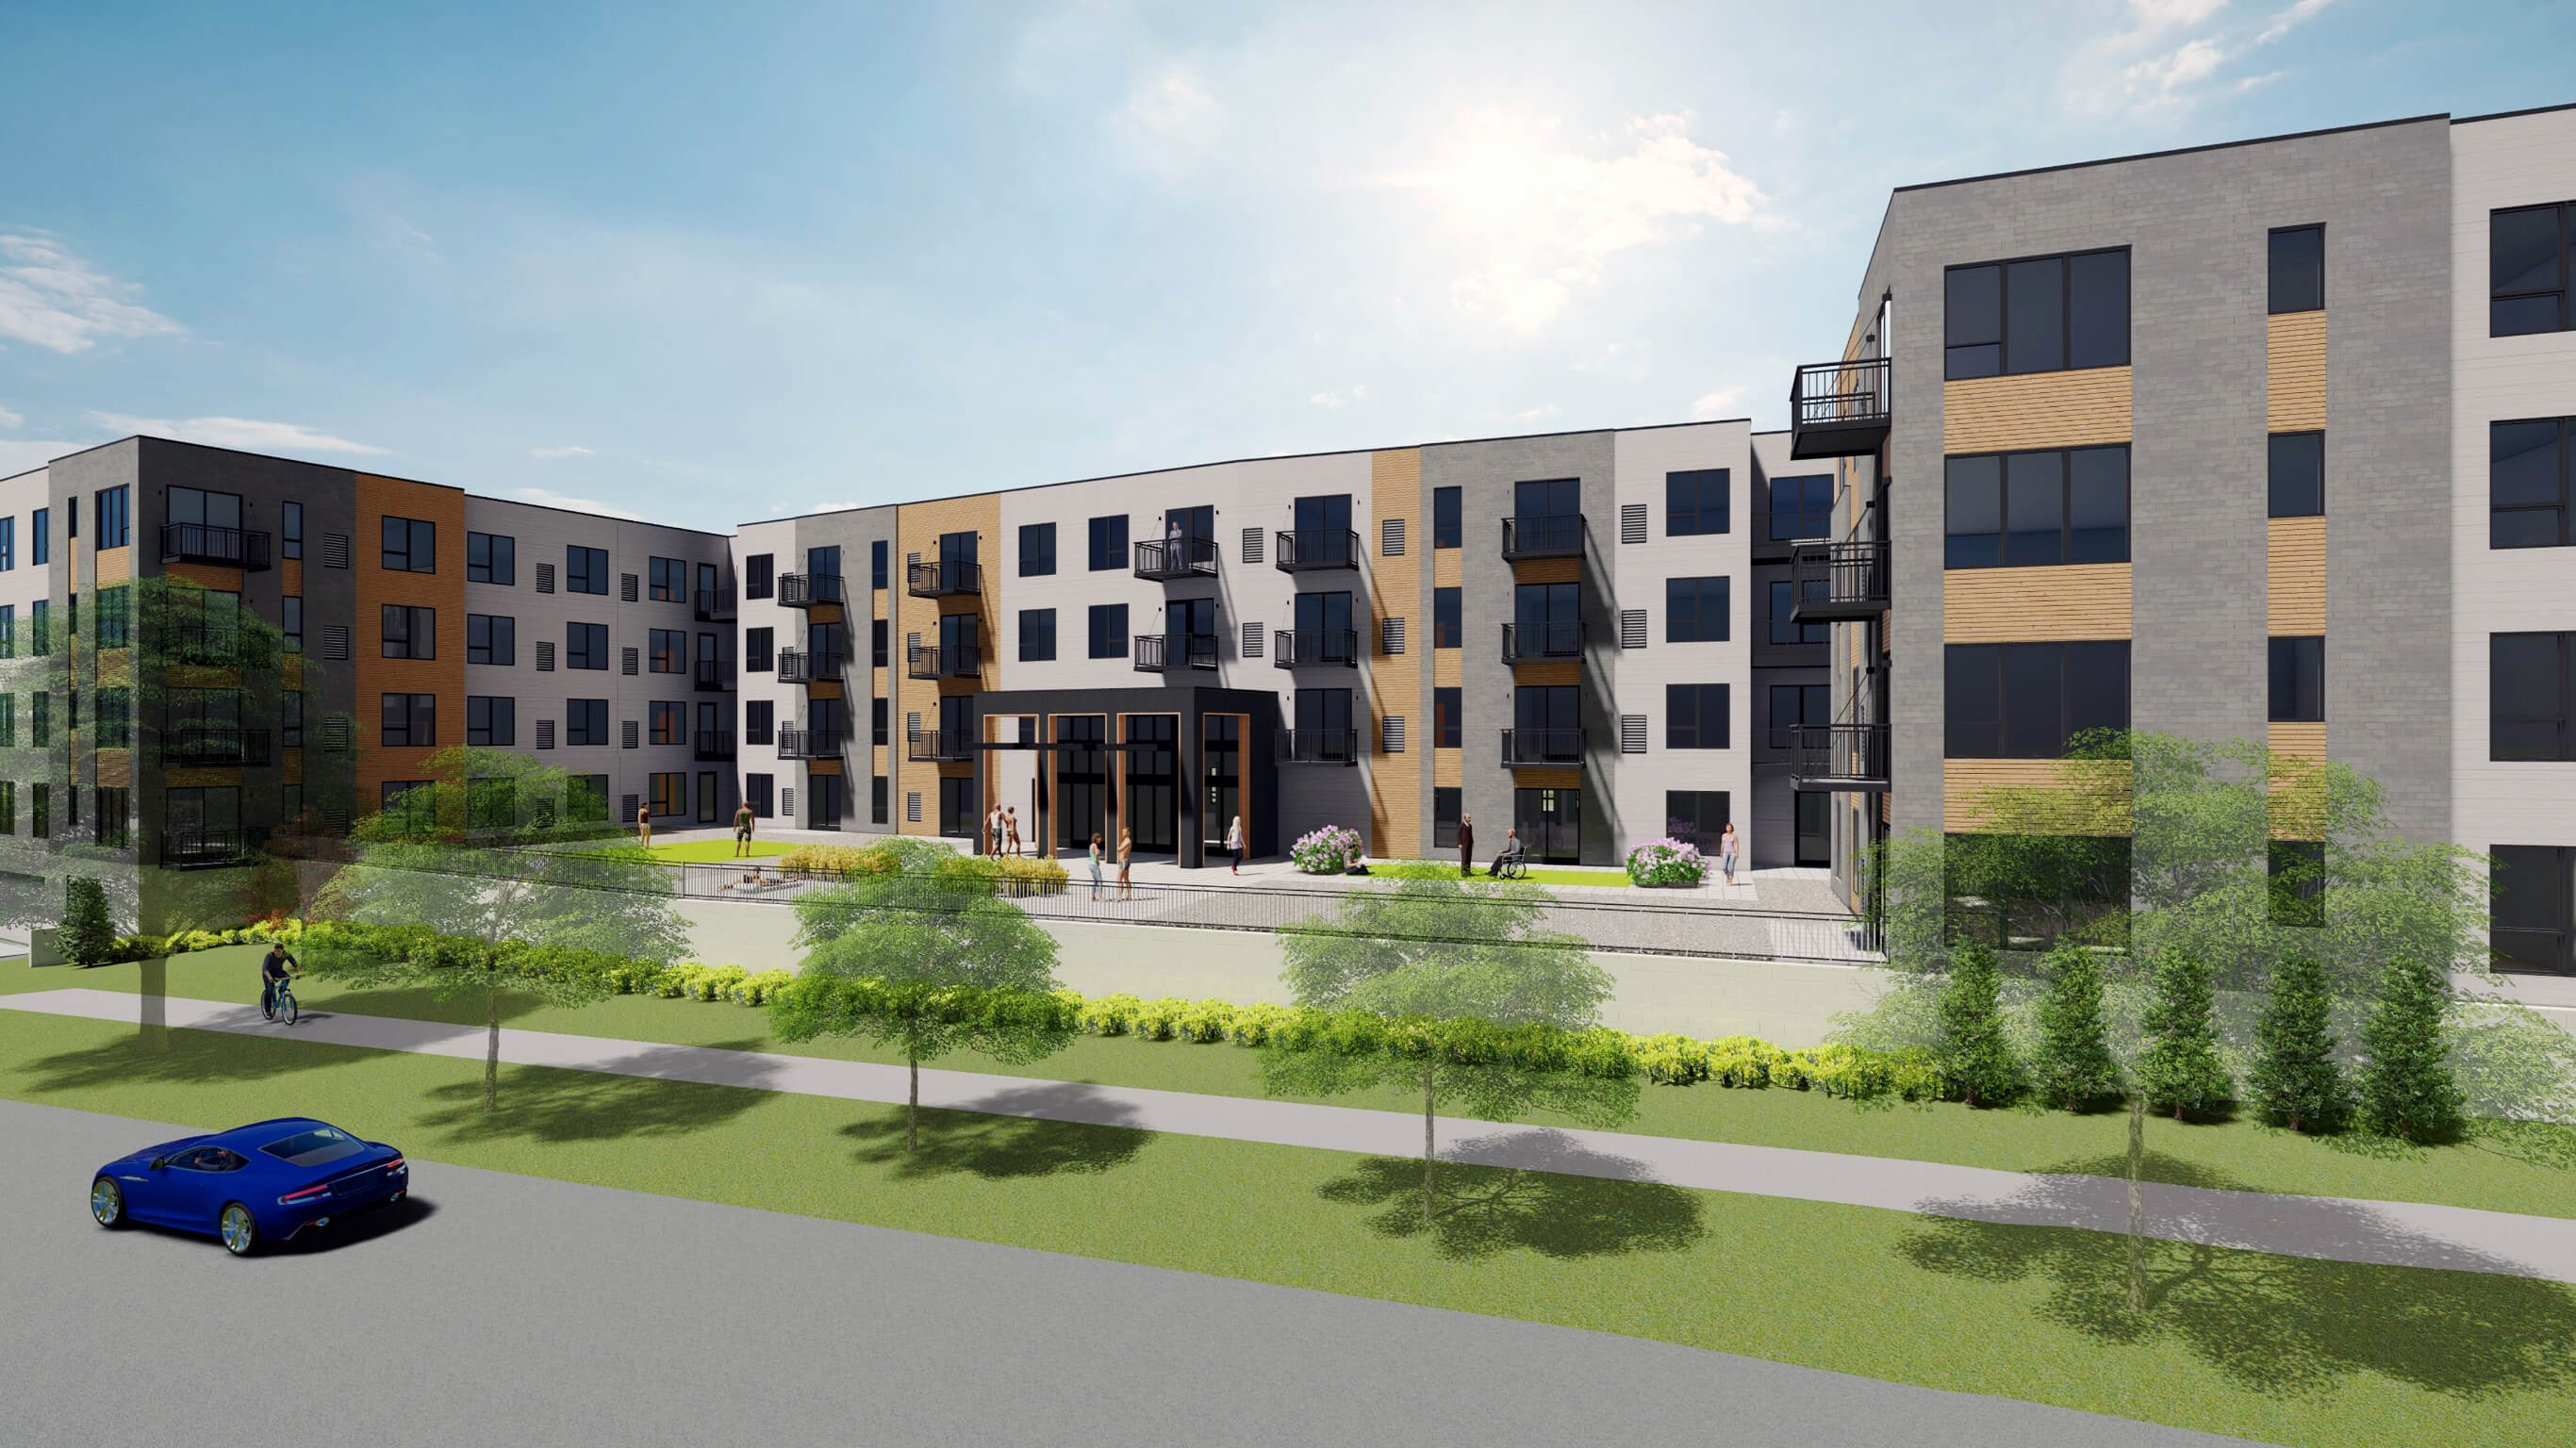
{"points": [[2563, 443], [1779, 594], [2274, 283], [1953, 554], [1805, 520], [1687, 502], [1448, 618], [492, 558], [1690, 735], [1969, 669], [418, 631], [2523, 298], [584, 566], [498, 646], [2297, 669], [1037, 550], [2291, 497], [1674, 614], [1448, 721], [2545, 735], [1107, 538], [1448, 517], [418, 550], [1955, 367], [1037, 635], [1104, 621]]}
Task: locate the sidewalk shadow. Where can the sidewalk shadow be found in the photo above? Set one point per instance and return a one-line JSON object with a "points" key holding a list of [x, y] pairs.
{"points": [[2284, 1327], [626, 1098], [1559, 1199], [997, 1146], [416, 1005]]}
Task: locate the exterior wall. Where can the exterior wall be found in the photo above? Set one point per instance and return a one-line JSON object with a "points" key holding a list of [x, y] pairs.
{"points": [[1769, 822], [786, 701], [854, 532], [442, 676]]}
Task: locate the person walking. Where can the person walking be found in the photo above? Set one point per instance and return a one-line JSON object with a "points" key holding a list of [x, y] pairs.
{"points": [[1234, 843], [644, 823], [1011, 827], [742, 818], [1466, 847], [1095, 865], [993, 830], [1730, 847], [1126, 843]]}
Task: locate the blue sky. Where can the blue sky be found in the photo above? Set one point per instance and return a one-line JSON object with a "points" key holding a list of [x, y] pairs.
{"points": [[716, 263]]}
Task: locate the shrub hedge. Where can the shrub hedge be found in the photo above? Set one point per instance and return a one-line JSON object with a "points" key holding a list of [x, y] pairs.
{"points": [[990, 874]]}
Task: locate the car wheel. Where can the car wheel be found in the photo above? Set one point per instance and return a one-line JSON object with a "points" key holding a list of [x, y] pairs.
{"points": [[239, 1229], [107, 1202]]}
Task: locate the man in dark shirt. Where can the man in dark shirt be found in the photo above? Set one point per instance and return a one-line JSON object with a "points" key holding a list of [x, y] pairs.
{"points": [[274, 967], [1466, 845]]}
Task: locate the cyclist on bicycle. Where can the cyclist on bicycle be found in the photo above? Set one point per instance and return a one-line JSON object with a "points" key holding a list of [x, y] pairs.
{"points": [[276, 966]]}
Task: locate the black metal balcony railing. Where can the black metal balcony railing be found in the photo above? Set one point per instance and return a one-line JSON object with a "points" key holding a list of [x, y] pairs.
{"points": [[1542, 747], [802, 743], [1177, 558], [223, 547], [714, 675], [191, 847], [1850, 757], [194, 745], [1316, 746], [715, 604], [1837, 581], [943, 578], [1543, 535], [799, 666], [1158, 653], [714, 744], [961, 660], [938, 746], [1315, 549], [804, 590], [1840, 409], [1545, 640], [1320, 647]]}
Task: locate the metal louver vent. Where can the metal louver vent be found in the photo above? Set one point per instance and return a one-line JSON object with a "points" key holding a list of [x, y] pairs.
{"points": [[545, 656], [1392, 728], [545, 578], [1252, 641], [1632, 733], [1632, 522], [1390, 537], [626, 588], [335, 550], [1632, 628], [545, 734], [630, 736], [1391, 636], [1251, 545], [335, 640], [912, 806], [626, 661]]}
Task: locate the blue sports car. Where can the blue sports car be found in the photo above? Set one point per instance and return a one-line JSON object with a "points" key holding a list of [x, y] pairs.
{"points": [[253, 1184]]}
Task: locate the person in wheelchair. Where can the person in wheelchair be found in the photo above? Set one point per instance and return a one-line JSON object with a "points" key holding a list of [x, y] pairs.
{"points": [[1512, 861]]}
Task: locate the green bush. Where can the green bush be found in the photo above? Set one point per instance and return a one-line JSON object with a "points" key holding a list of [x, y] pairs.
{"points": [[1251, 1025], [1973, 1052], [2407, 1089], [2074, 1069], [1741, 1061], [1672, 1059], [1109, 1015], [87, 934], [1205, 1022]]}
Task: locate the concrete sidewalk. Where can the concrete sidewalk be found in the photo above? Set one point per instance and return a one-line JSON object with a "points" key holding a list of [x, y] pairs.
{"points": [[2405, 1234]]}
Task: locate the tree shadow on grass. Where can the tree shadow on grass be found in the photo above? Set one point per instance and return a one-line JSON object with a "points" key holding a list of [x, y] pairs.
{"points": [[2284, 1327], [162, 1056], [635, 1095], [417, 1005], [991, 1143], [1570, 1202], [2549, 1144]]}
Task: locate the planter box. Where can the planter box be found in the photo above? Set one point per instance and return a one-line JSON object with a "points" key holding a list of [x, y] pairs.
{"points": [[44, 946]]}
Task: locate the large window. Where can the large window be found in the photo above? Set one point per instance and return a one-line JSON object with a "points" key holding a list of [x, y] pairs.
{"points": [[1697, 816], [491, 721], [669, 722], [1108, 543], [2025, 892], [585, 646], [1794, 706], [2298, 474], [1448, 626], [2298, 269], [666, 580], [410, 546], [491, 558], [42, 533], [1037, 635], [1802, 507], [1447, 518], [585, 570], [1109, 630], [2045, 314], [2298, 680], [1695, 502], [759, 719], [760, 791], [2528, 483], [1447, 803], [1037, 549], [2534, 922], [2026, 701], [2018, 510], [2527, 267], [290, 532], [667, 650], [115, 521], [667, 794], [409, 632], [1446, 723], [2528, 684], [758, 572], [410, 721], [1696, 716], [491, 639], [585, 721], [1786, 628], [877, 554], [759, 650], [1695, 610]]}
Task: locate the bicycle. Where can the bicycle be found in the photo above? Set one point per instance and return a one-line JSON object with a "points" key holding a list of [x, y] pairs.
{"points": [[281, 1000]]}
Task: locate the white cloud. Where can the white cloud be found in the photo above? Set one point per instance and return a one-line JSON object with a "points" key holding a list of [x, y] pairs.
{"points": [[1721, 403], [18, 455], [549, 453], [55, 300], [11, 420], [2143, 71], [549, 499], [1169, 120], [1326, 399], [1540, 413], [248, 434]]}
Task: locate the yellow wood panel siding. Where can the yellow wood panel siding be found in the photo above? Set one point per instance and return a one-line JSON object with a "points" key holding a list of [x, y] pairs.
{"points": [[2298, 576], [2296, 372], [918, 527], [115, 668], [2098, 806], [1449, 768], [1448, 567], [1395, 684], [290, 577], [1548, 570], [1548, 671], [2036, 409], [115, 768], [1547, 779], [201, 778], [444, 590], [2298, 783], [115, 565], [2032, 605], [206, 575], [1448, 668]]}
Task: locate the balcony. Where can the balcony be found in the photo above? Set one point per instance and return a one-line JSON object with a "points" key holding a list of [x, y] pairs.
{"points": [[193, 745], [944, 578], [1839, 757], [1837, 582], [715, 605], [1544, 535], [199, 848], [796, 743], [805, 590], [714, 744], [1839, 409], [1315, 550], [1175, 559], [938, 746], [715, 676], [223, 547], [1552, 640], [1315, 647], [1317, 746], [1542, 748], [800, 666], [962, 660]]}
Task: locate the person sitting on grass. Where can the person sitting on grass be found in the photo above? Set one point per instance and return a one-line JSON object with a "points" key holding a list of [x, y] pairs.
{"points": [[1511, 860]]}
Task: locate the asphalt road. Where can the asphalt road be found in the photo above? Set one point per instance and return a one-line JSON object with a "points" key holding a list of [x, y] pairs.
{"points": [[505, 1310]]}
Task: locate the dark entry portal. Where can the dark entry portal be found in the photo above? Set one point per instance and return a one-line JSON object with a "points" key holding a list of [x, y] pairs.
{"points": [[1082, 784], [1153, 782]]}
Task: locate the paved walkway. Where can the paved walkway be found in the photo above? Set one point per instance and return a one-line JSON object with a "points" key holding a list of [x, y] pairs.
{"points": [[2407, 1234]]}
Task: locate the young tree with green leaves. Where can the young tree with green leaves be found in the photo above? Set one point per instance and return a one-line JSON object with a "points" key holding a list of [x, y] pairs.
{"points": [[2406, 1088], [86, 932], [2074, 1069], [2296, 1078], [1973, 1051], [2179, 1064], [929, 962]]}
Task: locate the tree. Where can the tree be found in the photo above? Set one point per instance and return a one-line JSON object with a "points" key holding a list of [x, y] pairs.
{"points": [[928, 962], [480, 853], [1972, 1047], [2295, 1076], [2074, 1069], [87, 932], [2179, 1064], [2407, 1089], [1434, 951]]}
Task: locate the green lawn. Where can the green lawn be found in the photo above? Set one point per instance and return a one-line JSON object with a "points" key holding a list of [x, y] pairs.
{"points": [[2527, 1168], [2277, 1349], [700, 852], [1538, 874]]}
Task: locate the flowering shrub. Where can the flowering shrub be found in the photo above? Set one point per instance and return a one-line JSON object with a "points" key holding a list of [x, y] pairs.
{"points": [[1328, 851], [1666, 862]]}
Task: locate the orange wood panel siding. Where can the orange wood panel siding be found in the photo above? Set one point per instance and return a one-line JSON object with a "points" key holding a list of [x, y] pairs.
{"points": [[444, 590], [206, 575], [1395, 684], [2035, 410], [918, 527], [2030, 605], [2296, 366], [1548, 671], [1547, 779], [2098, 806], [2298, 783], [1548, 570], [115, 565], [2298, 577]]}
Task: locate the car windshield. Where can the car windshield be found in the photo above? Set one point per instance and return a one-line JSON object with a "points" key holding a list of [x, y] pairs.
{"points": [[316, 1147]]}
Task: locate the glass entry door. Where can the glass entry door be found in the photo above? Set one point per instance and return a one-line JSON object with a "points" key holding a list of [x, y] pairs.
{"points": [[1550, 822], [1153, 782], [1222, 748], [1082, 784], [1815, 828]]}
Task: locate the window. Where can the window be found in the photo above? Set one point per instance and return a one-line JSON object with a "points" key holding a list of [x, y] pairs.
{"points": [[115, 718], [759, 650], [2527, 483], [290, 532], [585, 646], [760, 791], [115, 528], [1796, 706], [1448, 628], [2298, 474], [1447, 803], [667, 580], [2046, 314], [1037, 634], [40, 718], [758, 571], [409, 632], [1697, 816], [585, 721], [2534, 919], [2298, 269], [877, 725], [8, 630], [586, 797], [878, 802], [290, 622], [877, 643], [1802, 507], [669, 723], [667, 794], [2527, 270], [759, 721], [1696, 502], [1037, 549], [8, 544], [2528, 679], [669, 649], [1447, 727], [491, 558], [1695, 610], [491, 639], [2298, 680], [115, 617], [410, 721], [1786, 629], [2026, 701], [1108, 544], [1695, 716], [410, 545], [43, 541], [2298, 882], [2020, 510], [585, 570], [876, 563], [1447, 522], [1109, 630], [491, 721], [290, 719]]}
